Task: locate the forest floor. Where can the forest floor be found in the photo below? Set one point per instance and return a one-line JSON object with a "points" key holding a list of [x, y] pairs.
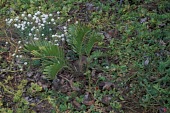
{"points": [[129, 71]]}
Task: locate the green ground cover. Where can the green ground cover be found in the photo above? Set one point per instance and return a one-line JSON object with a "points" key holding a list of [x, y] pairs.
{"points": [[84, 56]]}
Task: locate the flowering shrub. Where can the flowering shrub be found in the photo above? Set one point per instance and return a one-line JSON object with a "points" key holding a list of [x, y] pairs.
{"points": [[38, 26]]}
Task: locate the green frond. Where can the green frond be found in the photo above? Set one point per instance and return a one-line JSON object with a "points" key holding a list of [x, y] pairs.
{"points": [[82, 39], [44, 49], [36, 53], [31, 47], [52, 56], [78, 35], [52, 68], [93, 38]]}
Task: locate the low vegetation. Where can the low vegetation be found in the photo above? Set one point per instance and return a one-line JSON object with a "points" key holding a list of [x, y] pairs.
{"points": [[84, 56]]}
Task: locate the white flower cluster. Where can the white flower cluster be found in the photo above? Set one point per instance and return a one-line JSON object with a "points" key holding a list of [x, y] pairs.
{"points": [[38, 26]]}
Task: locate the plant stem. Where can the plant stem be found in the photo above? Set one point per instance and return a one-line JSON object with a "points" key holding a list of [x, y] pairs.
{"points": [[80, 63], [5, 89]]}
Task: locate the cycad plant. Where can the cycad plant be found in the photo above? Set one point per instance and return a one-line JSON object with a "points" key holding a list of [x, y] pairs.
{"points": [[81, 39], [52, 56]]}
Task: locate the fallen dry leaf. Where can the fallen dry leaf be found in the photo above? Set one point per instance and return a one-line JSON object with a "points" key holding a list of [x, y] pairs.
{"points": [[106, 100], [76, 104]]}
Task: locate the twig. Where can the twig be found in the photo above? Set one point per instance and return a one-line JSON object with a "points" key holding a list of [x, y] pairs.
{"points": [[69, 81], [5, 89]]}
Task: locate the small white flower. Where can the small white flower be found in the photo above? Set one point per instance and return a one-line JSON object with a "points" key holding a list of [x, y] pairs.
{"points": [[59, 36], [76, 22], [50, 14], [107, 67], [24, 22], [19, 42], [36, 21], [56, 44], [13, 54], [42, 15], [42, 34], [30, 34], [21, 69], [34, 17], [18, 26], [42, 24], [11, 20], [53, 36], [49, 22], [58, 12], [25, 18], [55, 40], [52, 20], [6, 43], [23, 15], [65, 32], [37, 18], [29, 15], [46, 16], [22, 28], [16, 19], [50, 29], [17, 56], [68, 20], [62, 35], [62, 39], [64, 27], [38, 12], [25, 63], [6, 20], [15, 25], [58, 17], [20, 56], [20, 47], [45, 38], [23, 25], [36, 38]]}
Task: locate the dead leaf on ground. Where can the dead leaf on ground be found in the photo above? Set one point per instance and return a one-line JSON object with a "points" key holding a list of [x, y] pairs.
{"points": [[106, 99], [76, 104], [106, 85], [88, 100]]}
